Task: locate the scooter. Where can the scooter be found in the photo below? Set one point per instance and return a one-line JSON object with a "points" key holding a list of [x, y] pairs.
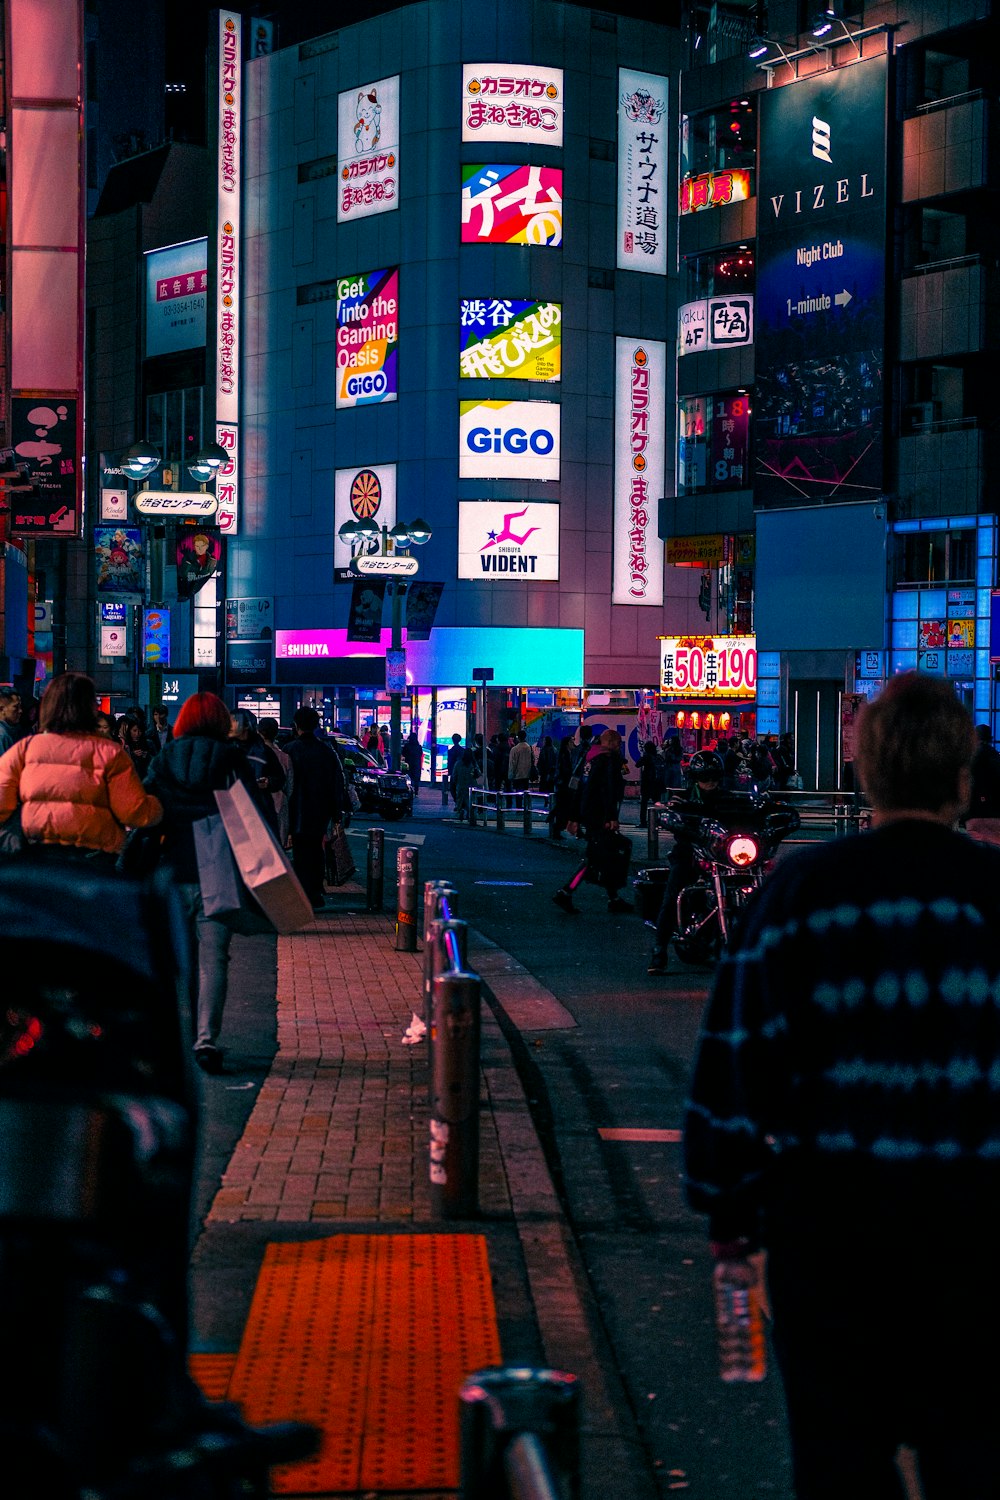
{"points": [[733, 847]]}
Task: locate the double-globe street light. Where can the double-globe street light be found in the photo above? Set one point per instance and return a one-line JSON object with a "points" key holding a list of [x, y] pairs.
{"points": [[384, 552]]}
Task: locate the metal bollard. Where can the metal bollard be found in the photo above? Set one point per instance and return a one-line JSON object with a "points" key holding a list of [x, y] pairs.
{"points": [[501, 813], [444, 794], [652, 833], [526, 813], [376, 868], [454, 1143], [438, 896], [520, 1431], [437, 960], [472, 807], [407, 871]]}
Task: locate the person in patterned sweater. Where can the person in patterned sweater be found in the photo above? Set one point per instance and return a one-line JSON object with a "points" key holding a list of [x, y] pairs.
{"points": [[844, 1117]]}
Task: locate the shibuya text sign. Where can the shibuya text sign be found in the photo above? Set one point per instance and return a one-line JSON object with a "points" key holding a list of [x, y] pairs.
{"points": [[508, 440], [367, 338], [705, 666], [506, 338], [640, 424]]}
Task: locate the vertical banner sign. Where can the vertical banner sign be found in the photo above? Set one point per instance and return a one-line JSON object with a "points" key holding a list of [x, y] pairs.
{"points": [[368, 149], [367, 338], [227, 252], [364, 623], [227, 491], [643, 191], [640, 440], [820, 296], [506, 102]]}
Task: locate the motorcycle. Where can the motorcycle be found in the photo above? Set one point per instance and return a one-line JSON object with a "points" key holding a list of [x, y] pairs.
{"points": [[734, 848]]}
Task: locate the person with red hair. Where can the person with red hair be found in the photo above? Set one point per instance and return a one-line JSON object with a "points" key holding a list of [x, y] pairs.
{"points": [[199, 761]]}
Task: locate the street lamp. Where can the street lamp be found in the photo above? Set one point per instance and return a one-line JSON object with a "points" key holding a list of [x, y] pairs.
{"points": [[207, 462], [394, 542]]}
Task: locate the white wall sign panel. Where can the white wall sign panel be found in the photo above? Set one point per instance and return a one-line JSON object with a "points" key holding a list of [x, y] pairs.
{"points": [[714, 323], [368, 149], [176, 293], [510, 102], [643, 189], [640, 448], [507, 539], [366, 492], [508, 440]]}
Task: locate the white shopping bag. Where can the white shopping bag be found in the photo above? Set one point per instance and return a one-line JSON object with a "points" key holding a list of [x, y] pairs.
{"points": [[261, 861]]}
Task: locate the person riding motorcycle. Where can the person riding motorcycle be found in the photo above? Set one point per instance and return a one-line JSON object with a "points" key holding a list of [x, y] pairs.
{"points": [[705, 772]]}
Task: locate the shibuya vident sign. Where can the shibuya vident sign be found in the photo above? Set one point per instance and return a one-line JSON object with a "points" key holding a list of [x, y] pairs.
{"points": [[640, 422]]}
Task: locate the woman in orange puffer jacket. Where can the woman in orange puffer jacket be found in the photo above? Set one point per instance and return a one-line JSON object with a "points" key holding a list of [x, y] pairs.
{"points": [[78, 791]]}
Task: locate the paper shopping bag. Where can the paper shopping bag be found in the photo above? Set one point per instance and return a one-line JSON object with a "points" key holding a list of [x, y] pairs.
{"points": [[223, 894], [340, 864], [262, 862]]}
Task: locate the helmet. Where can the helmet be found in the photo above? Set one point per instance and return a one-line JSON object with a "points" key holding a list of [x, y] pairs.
{"points": [[706, 765]]}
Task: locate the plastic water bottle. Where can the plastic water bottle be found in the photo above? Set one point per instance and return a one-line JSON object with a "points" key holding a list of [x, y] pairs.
{"points": [[739, 1321]]}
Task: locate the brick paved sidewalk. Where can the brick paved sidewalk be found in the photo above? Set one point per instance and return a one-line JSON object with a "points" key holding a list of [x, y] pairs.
{"points": [[340, 1127]]}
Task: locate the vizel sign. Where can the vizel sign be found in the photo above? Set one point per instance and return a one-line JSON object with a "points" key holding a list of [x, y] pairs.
{"points": [[175, 503]]}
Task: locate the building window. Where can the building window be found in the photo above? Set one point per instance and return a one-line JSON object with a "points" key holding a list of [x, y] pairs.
{"points": [[713, 443], [720, 139], [719, 272], [924, 558]]}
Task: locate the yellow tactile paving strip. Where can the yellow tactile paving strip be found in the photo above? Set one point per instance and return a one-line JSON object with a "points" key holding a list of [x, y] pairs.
{"points": [[369, 1337]]}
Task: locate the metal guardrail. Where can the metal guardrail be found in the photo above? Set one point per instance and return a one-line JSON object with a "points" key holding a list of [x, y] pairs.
{"points": [[520, 1433], [524, 808]]}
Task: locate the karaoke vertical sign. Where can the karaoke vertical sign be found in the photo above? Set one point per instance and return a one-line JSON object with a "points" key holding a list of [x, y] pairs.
{"points": [[640, 460], [227, 263]]}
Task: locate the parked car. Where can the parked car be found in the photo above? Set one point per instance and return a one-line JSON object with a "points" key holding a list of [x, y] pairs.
{"points": [[389, 794]]}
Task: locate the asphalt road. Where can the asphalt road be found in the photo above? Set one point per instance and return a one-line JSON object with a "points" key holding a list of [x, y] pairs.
{"points": [[624, 1066]]}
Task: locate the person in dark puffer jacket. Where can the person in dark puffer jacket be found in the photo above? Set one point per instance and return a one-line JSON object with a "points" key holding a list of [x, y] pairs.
{"points": [[200, 760]]}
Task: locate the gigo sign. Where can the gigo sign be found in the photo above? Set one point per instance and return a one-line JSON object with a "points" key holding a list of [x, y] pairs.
{"points": [[508, 440], [705, 666]]}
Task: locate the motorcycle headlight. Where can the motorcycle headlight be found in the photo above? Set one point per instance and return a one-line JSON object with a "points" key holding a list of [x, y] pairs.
{"points": [[742, 850]]}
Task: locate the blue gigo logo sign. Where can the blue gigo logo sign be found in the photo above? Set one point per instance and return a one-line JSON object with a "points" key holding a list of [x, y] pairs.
{"points": [[509, 440]]}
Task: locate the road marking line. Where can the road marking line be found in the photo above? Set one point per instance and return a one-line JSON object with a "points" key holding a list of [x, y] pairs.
{"points": [[608, 1133]]}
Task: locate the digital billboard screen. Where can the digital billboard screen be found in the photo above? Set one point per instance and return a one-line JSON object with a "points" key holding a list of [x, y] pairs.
{"points": [[503, 338], [367, 338], [508, 440], [511, 205], [820, 295]]}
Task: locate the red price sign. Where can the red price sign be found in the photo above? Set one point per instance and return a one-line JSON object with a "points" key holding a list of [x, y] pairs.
{"points": [[708, 666]]}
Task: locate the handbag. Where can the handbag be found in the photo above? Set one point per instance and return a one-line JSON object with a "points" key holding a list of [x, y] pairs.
{"points": [[12, 839], [223, 893], [340, 864], [261, 862], [608, 860]]}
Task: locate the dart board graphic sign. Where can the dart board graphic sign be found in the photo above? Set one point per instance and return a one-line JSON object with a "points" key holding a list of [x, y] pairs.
{"points": [[366, 492]]}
